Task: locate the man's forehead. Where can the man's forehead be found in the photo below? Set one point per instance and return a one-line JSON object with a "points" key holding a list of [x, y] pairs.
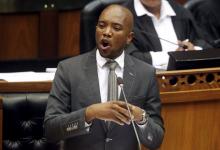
{"points": [[115, 10], [114, 21], [118, 17], [113, 16]]}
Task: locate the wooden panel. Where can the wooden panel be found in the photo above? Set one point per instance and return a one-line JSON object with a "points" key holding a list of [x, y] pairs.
{"points": [[19, 36], [25, 87], [192, 126], [69, 28], [44, 35], [48, 34], [34, 29], [190, 96]]}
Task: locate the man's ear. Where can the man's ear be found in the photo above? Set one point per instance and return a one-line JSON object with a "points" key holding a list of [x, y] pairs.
{"points": [[130, 37]]}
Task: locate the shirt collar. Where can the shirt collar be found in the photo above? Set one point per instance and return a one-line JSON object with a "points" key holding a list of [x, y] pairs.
{"points": [[101, 61], [166, 9]]}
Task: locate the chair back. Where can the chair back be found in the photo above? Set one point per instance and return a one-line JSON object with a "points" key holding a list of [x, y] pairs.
{"points": [[23, 117]]}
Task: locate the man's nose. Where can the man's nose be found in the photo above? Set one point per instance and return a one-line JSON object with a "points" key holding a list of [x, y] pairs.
{"points": [[108, 32]]}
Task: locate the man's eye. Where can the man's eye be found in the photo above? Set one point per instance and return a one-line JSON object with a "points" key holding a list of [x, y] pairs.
{"points": [[117, 28], [101, 25]]}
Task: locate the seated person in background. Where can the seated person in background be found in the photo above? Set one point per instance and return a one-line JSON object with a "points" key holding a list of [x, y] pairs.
{"points": [[78, 111], [161, 26], [207, 16]]}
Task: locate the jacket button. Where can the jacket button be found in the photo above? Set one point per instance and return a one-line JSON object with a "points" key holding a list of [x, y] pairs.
{"points": [[108, 140]]}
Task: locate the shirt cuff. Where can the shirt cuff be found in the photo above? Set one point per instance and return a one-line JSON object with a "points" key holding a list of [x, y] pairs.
{"points": [[87, 126], [160, 60], [198, 48]]}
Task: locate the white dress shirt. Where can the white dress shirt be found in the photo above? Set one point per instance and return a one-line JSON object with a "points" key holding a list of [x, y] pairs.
{"points": [[103, 72]]}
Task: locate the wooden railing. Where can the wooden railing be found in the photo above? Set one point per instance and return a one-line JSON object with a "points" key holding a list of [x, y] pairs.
{"points": [[204, 83]]}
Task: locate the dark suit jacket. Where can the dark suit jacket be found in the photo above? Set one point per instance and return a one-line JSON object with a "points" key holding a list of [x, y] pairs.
{"points": [[146, 38], [76, 86]]}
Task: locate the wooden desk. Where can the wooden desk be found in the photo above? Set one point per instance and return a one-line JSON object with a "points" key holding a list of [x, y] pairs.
{"points": [[191, 107], [25, 87]]}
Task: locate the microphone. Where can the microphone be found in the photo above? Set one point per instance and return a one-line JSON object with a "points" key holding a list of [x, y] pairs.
{"points": [[121, 83], [155, 36]]}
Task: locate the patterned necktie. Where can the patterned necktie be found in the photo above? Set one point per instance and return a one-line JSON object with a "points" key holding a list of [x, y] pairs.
{"points": [[112, 84], [112, 81]]}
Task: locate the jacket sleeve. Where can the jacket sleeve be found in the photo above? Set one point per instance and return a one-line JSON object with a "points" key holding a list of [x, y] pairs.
{"points": [[60, 122], [151, 134]]}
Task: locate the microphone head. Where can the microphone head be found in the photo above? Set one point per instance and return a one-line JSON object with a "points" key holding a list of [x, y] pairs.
{"points": [[120, 81]]}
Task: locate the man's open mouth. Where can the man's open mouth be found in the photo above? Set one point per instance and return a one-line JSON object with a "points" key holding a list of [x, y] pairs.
{"points": [[105, 43]]}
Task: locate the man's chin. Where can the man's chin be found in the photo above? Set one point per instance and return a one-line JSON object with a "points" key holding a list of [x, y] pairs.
{"points": [[104, 54]]}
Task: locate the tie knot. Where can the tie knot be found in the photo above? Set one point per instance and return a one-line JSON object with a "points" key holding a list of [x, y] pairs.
{"points": [[111, 64]]}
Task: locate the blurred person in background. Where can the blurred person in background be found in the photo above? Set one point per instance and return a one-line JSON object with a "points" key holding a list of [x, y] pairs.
{"points": [[161, 26]]}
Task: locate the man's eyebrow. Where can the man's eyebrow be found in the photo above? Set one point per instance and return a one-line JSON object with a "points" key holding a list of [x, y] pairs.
{"points": [[100, 20], [116, 23]]}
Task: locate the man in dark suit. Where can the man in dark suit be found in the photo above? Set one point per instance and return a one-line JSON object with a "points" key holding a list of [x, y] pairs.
{"points": [[165, 19], [77, 110]]}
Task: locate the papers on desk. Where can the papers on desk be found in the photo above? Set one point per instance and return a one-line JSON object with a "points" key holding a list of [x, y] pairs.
{"points": [[51, 69], [27, 76]]}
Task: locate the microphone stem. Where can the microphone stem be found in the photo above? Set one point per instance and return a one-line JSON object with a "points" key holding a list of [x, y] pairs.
{"points": [[168, 41], [182, 46], [132, 121], [151, 34]]}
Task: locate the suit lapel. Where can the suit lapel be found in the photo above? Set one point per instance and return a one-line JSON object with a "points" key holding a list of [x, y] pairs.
{"points": [[128, 76], [178, 22], [151, 34], [178, 28], [92, 83]]}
